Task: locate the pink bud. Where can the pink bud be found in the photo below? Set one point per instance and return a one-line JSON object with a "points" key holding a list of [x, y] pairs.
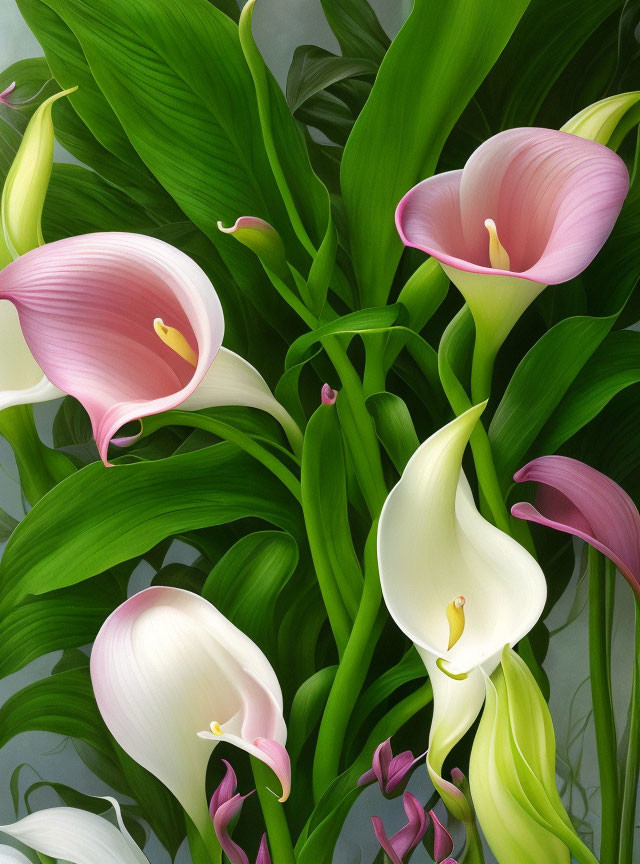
{"points": [[328, 395]]}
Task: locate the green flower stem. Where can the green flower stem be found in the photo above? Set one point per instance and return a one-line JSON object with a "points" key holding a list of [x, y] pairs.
{"points": [[40, 467], [603, 716], [359, 428], [473, 851], [350, 676], [632, 769], [274, 817], [374, 371], [229, 433]]}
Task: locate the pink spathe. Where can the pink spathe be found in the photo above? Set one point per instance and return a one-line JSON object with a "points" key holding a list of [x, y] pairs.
{"points": [[577, 499], [553, 196], [87, 305], [401, 845]]}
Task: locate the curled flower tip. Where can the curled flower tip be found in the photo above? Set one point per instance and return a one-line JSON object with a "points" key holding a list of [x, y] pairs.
{"points": [[6, 93], [391, 772], [328, 395], [225, 791], [273, 754], [400, 847], [221, 819], [498, 255], [439, 841]]}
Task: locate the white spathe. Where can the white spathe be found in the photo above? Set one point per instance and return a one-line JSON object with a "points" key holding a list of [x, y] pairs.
{"points": [[434, 546], [164, 666], [75, 836]]}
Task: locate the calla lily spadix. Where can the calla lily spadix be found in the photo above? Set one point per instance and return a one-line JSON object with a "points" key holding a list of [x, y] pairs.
{"points": [[73, 835], [130, 326], [167, 665], [437, 554], [532, 207]]}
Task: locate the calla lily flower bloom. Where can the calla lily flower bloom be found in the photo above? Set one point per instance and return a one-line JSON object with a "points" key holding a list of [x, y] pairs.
{"points": [[391, 772], [440, 842], [226, 803], [73, 835], [512, 773], [532, 207], [166, 665], [455, 584], [400, 847], [574, 498], [130, 326]]}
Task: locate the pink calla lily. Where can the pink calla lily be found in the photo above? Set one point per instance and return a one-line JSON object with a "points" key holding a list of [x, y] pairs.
{"points": [[575, 498], [166, 665], [87, 307], [532, 207], [392, 773], [400, 847]]}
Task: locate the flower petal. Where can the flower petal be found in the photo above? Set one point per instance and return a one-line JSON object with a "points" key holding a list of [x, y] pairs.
{"points": [[165, 665], [225, 790], [263, 852], [87, 307], [575, 498], [75, 836], [408, 837], [553, 196], [223, 815], [442, 841], [9, 855], [433, 545], [21, 379]]}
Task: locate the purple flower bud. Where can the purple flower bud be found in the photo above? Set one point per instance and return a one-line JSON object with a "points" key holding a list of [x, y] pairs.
{"points": [[402, 844], [391, 772], [263, 852], [457, 778], [225, 804], [328, 395], [441, 842]]}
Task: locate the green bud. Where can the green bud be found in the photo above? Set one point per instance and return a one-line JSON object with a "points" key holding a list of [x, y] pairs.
{"points": [[608, 120], [26, 185]]}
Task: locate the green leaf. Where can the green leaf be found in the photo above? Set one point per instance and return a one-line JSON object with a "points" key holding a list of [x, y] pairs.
{"points": [[538, 385], [438, 59], [306, 709], [394, 427], [612, 367], [101, 516], [356, 28], [314, 69], [7, 525], [246, 583], [67, 618]]}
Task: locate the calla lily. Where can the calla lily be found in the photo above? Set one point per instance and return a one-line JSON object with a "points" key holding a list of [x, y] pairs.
{"points": [[532, 207], [608, 120], [439, 841], [226, 803], [400, 847], [328, 395], [166, 665], [391, 772], [512, 774], [575, 498], [9, 855], [75, 836], [457, 586], [263, 240]]}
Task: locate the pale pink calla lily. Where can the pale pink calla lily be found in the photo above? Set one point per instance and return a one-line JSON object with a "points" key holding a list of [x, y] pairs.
{"points": [[550, 199], [166, 665], [575, 498], [87, 307]]}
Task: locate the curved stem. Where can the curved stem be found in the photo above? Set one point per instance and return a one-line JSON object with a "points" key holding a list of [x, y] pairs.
{"points": [[632, 770], [349, 676], [274, 816], [481, 372], [603, 716]]}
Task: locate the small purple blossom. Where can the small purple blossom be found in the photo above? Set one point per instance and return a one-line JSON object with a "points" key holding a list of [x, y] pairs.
{"points": [[4, 96], [401, 845], [440, 843], [225, 804], [391, 772]]}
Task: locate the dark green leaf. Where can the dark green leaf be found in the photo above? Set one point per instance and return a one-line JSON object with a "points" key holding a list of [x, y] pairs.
{"points": [[313, 69], [394, 427], [306, 709], [357, 28]]}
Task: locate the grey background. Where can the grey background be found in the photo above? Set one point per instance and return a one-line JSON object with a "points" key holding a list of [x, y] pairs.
{"points": [[279, 32]]}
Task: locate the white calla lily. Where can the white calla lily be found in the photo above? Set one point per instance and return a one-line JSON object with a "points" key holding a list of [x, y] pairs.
{"points": [[454, 583], [75, 836], [9, 855], [166, 666]]}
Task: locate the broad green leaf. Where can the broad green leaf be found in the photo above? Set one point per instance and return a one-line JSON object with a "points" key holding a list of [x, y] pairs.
{"points": [[538, 385], [306, 709], [438, 60], [246, 583], [80, 202], [67, 618], [612, 367], [314, 69], [9, 143], [7, 525], [394, 427], [101, 516], [356, 28]]}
